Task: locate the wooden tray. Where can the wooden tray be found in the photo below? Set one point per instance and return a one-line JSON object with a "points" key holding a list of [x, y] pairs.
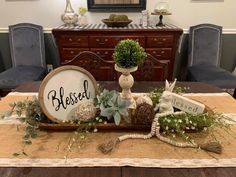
{"points": [[108, 126]]}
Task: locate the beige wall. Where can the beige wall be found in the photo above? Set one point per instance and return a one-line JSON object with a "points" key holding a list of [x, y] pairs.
{"points": [[184, 12]]}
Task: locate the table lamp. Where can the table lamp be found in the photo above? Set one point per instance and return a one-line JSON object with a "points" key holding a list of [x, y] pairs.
{"points": [[69, 17]]}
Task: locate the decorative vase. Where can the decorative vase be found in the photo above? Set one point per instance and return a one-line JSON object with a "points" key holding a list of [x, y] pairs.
{"points": [[126, 82], [70, 18]]}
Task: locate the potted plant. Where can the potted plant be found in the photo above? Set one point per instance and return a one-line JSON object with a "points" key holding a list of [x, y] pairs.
{"points": [[128, 55]]}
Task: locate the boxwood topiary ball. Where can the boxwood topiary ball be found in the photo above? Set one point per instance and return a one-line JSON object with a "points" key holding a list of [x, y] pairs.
{"points": [[128, 53]]}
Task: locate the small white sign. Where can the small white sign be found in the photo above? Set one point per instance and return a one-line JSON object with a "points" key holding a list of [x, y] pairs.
{"points": [[187, 105], [63, 89]]}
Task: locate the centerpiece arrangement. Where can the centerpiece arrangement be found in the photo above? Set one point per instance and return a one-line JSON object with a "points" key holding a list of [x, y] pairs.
{"points": [[79, 103]]}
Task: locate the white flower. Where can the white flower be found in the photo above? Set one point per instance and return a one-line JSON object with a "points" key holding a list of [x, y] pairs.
{"points": [[180, 121], [167, 128]]}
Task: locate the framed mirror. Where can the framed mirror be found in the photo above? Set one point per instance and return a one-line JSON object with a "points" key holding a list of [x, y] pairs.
{"points": [[116, 5]]}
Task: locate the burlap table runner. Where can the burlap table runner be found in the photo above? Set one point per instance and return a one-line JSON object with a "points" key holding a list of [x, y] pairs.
{"points": [[44, 151]]}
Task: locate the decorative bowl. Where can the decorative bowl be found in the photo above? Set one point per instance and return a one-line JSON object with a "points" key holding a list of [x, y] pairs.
{"points": [[116, 24]]}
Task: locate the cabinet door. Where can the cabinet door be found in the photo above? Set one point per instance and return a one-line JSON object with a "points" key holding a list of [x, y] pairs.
{"points": [[149, 72]]}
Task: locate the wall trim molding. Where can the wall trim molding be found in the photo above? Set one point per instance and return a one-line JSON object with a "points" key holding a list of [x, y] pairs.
{"points": [[186, 31], [224, 31], [45, 30]]}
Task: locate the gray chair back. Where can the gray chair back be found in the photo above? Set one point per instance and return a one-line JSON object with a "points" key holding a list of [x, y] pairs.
{"points": [[204, 45], [27, 45]]}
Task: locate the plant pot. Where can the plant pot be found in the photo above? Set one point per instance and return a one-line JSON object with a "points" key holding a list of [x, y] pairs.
{"points": [[126, 82]]}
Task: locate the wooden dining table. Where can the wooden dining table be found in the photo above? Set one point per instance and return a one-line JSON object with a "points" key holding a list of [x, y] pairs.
{"points": [[126, 170]]}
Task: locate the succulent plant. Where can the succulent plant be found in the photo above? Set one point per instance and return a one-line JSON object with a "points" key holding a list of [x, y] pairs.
{"points": [[112, 105], [128, 53]]}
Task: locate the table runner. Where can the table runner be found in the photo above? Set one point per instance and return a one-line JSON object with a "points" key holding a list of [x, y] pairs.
{"points": [[139, 153]]}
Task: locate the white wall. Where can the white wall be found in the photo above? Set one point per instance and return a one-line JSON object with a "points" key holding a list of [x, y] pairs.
{"points": [[184, 12]]}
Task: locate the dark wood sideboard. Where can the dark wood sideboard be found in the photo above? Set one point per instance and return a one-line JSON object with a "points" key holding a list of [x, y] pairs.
{"points": [[160, 42]]}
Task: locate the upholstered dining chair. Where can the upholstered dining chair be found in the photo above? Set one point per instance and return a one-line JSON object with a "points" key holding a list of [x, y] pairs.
{"points": [[27, 54], [204, 57]]}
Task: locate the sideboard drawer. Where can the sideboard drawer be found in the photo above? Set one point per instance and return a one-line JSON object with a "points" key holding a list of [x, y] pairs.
{"points": [[105, 54], [101, 41], [74, 40], [160, 41], [109, 41], [139, 39], [70, 53], [160, 53]]}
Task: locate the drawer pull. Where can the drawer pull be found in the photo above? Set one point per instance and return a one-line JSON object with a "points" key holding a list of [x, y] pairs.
{"points": [[72, 52], [70, 39], [101, 43], [162, 52], [106, 40], [78, 40], [164, 39], [159, 42], [155, 39], [98, 53], [97, 40], [154, 52], [106, 53]]}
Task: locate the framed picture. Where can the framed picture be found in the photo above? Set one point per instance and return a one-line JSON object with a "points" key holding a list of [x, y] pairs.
{"points": [[116, 5]]}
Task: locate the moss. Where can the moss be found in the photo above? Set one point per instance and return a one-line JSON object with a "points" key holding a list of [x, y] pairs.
{"points": [[111, 17], [118, 18]]}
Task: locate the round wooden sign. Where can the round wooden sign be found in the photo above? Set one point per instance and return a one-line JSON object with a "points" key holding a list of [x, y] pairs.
{"points": [[63, 89]]}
